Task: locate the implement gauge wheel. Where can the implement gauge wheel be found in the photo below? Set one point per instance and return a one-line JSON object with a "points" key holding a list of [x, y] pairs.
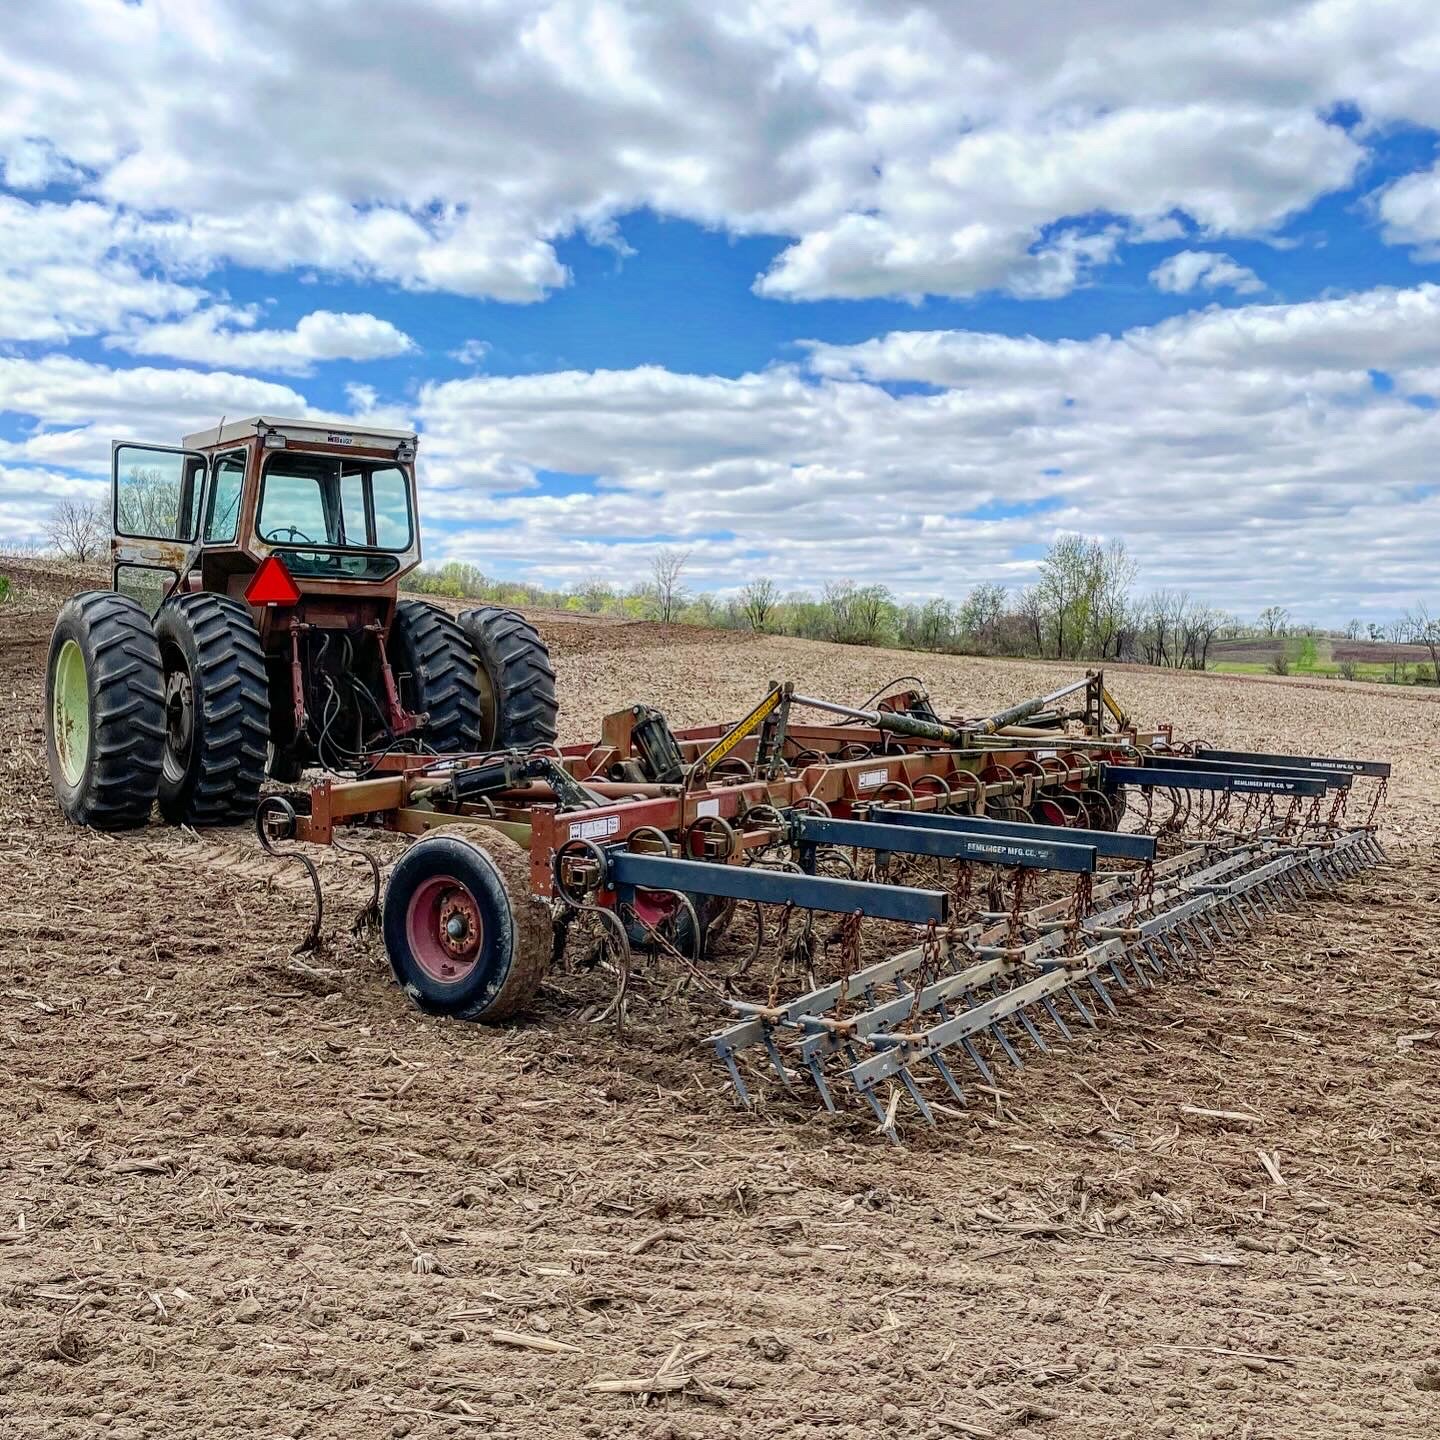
{"points": [[217, 710], [104, 712], [464, 934]]}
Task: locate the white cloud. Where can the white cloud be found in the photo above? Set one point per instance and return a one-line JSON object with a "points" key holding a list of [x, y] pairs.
{"points": [[472, 352], [938, 148], [222, 335], [1243, 453], [1187, 270], [61, 275]]}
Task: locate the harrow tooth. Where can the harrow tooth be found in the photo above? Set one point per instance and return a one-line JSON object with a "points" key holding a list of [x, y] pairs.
{"points": [[1049, 1007], [1032, 1032], [1103, 993], [728, 1056], [773, 1051], [978, 1061], [1120, 979], [1079, 1004], [817, 1075], [948, 1077], [1011, 1054], [921, 1104]]}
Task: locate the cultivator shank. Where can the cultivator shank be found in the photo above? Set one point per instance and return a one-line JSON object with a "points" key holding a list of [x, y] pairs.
{"points": [[1035, 910]]}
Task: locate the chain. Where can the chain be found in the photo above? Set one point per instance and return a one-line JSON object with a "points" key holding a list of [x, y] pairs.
{"points": [[1017, 906], [1381, 790], [1079, 910], [962, 903], [1144, 895], [929, 970], [777, 953], [845, 938]]}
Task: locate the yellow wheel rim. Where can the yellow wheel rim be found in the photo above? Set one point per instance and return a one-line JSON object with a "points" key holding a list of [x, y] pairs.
{"points": [[70, 713]]}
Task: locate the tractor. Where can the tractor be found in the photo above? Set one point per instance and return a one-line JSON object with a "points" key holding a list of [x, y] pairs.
{"points": [[254, 628]]}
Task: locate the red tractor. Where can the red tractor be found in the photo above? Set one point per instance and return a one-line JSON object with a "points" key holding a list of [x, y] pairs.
{"points": [[254, 627]]}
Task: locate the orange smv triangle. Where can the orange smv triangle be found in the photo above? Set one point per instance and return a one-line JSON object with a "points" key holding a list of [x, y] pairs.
{"points": [[272, 584]]}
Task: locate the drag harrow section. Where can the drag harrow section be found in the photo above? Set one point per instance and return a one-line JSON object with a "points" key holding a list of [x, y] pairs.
{"points": [[1002, 978], [1048, 861]]}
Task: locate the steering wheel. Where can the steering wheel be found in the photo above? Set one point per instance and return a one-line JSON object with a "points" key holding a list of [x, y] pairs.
{"points": [[291, 530]]}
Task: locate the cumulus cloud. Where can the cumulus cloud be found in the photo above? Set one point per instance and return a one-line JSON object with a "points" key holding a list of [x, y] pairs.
{"points": [[938, 149], [225, 336], [1188, 270], [1241, 451]]}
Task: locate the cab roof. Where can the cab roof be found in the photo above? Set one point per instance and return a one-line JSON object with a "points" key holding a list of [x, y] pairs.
{"points": [[312, 432]]}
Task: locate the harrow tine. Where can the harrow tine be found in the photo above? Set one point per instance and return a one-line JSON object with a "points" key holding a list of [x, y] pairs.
{"points": [[978, 1061], [774, 1052], [1005, 1045], [728, 1056], [1104, 994], [1079, 1004], [1049, 1007], [1032, 1032], [812, 1064], [1120, 979], [948, 1077], [921, 1104]]}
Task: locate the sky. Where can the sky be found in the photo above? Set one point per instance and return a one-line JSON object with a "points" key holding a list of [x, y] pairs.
{"points": [[814, 289]]}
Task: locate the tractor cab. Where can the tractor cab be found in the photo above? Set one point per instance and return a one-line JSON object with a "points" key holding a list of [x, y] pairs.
{"points": [[335, 508]]}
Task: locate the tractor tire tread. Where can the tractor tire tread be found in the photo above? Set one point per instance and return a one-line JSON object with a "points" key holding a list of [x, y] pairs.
{"points": [[127, 725], [444, 683], [234, 729], [521, 675]]}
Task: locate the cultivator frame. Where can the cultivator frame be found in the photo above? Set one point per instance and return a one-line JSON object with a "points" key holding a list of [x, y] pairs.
{"points": [[658, 836]]}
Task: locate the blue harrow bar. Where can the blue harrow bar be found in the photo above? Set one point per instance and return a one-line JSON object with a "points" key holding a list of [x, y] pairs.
{"points": [[630, 868], [1106, 843], [1231, 767], [946, 844], [1326, 764], [1173, 777]]}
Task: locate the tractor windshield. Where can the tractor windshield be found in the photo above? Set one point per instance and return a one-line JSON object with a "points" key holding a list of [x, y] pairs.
{"points": [[336, 505]]}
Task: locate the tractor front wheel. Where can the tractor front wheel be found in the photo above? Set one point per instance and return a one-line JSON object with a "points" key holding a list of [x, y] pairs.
{"points": [[217, 710], [104, 719], [464, 934]]}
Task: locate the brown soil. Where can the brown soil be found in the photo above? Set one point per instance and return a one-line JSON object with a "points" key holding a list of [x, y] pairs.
{"points": [[248, 1193]]}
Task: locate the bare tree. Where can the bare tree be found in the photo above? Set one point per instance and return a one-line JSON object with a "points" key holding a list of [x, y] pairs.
{"points": [[77, 529], [1425, 627], [665, 572], [1274, 619], [758, 599], [596, 594]]}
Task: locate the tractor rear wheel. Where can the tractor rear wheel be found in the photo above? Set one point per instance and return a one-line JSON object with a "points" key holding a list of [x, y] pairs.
{"points": [[435, 670], [104, 713], [217, 710], [464, 934], [517, 680]]}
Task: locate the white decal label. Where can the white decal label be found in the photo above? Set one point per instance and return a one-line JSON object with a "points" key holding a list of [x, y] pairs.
{"points": [[707, 807], [333, 439], [1160, 743], [594, 829], [869, 779], [1046, 754]]}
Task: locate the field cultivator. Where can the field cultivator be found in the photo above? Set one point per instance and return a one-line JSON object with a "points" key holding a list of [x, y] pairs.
{"points": [[1045, 862]]}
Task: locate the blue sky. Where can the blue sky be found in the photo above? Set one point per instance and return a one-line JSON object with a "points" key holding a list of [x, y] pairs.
{"points": [[832, 291]]}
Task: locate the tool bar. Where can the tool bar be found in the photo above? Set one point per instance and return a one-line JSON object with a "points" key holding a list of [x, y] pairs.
{"points": [[775, 887], [1171, 778], [986, 849], [1235, 767], [1379, 769], [1104, 842]]}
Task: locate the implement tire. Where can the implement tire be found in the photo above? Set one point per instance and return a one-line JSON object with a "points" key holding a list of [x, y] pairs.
{"points": [[104, 711], [464, 934], [435, 671], [217, 710], [517, 680]]}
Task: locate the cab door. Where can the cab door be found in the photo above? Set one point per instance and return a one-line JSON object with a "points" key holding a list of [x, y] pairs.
{"points": [[156, 498]]}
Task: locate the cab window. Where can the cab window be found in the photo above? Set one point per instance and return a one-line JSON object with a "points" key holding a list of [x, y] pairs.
{"points": [[222, 518]]}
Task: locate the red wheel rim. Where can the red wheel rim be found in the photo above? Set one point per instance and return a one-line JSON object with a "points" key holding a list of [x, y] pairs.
{"points": [[444, 929]]}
